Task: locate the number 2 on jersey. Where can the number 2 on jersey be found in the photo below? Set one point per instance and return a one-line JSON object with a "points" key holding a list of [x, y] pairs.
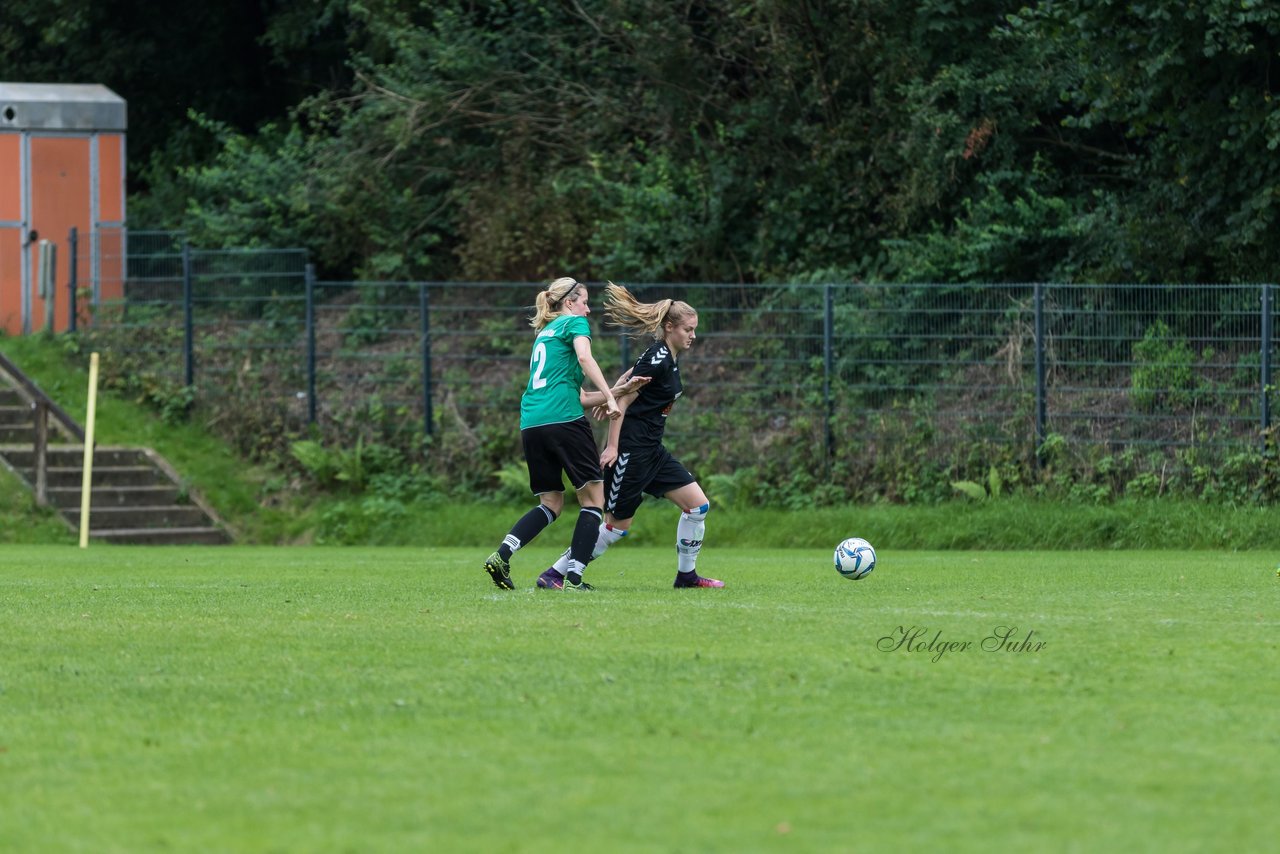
{"points": [[536, 365]]}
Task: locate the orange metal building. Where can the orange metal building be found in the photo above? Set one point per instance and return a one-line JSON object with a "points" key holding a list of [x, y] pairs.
{"points": [[62, 166]]}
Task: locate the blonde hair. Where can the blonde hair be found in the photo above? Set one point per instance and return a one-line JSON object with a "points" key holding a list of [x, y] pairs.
{"points": [[549, 303], [623, 309]]}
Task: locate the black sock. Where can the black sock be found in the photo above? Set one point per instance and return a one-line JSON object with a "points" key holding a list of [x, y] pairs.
{"points": [[523, 531], [584, 535]]}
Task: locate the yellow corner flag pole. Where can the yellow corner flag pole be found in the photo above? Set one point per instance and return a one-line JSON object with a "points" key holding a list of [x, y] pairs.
{"points": [[85, 485]]}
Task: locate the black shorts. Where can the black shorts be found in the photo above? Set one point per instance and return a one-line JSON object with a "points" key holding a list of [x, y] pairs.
{"points": [[568, 447], [652, 470]]}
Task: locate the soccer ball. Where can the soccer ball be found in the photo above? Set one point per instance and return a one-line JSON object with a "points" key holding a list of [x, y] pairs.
{"points": [[855, 558]]}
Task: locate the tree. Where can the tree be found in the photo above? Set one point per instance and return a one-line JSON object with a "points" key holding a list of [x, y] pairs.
{"points": [[244, 62], [724, 140]]}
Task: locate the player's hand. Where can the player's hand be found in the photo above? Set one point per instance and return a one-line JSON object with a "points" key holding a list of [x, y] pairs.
{"points": [[608, 456], [614, 412], [628, 384]]}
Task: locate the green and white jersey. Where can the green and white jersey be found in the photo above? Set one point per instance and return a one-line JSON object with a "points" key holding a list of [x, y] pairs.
{"points": [[555, 377]]}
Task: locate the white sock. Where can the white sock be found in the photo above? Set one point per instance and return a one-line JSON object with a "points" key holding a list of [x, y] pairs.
{"points": [[689, 532], [608, 536]]}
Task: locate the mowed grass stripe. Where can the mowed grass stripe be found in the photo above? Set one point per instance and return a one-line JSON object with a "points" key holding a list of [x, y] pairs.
{"points": [[388, 699]]}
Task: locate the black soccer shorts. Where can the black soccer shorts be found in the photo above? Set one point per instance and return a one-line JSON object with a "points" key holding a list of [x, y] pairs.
{"points": [[652, 470], [568, 447]]}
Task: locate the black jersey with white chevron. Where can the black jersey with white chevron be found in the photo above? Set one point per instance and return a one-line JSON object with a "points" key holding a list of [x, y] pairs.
{"points": [[647, 415]]}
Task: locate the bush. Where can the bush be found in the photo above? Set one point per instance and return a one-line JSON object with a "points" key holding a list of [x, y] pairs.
{"points": [[1162, 371]]}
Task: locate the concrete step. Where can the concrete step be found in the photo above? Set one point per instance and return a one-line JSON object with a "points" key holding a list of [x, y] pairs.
{"points": [[21, 456], [14, 433], [194, 536], [9, 397], [68, 497], [156, 516], [65, 477]]}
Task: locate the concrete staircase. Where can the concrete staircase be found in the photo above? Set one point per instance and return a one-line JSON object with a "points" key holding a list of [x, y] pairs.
{"points": [[137, 497], [17, 417]]}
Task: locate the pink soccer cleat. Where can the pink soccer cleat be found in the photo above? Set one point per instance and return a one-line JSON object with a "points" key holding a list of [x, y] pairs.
{"points": [[695, 580]]}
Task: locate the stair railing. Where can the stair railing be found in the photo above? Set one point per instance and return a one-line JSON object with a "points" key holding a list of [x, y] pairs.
{"points": [[41, 457], [42, 408], [33, 393]]}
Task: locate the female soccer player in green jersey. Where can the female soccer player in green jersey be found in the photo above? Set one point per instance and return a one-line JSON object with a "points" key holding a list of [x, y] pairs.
{"points": [[555, 432]]}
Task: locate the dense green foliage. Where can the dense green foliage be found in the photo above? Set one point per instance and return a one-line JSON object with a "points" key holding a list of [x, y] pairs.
{"points": [[372, 700], [718, 140], [242, 61]]}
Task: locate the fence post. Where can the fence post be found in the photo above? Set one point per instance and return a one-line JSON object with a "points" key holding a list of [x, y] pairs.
{"points": [[424, 315], [1041, 405], [828, 367], [1266, 360], [40, 459], [310, 278], [188, 322], [73, 244], [48, 281], [624, 342]]}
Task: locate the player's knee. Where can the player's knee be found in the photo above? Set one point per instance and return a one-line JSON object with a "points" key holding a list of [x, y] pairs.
{"points": [[698, 514]]}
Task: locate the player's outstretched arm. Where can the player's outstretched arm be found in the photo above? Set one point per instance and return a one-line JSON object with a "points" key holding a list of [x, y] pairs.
{"points": [[626, 386], [591, 370], [610, 452]]}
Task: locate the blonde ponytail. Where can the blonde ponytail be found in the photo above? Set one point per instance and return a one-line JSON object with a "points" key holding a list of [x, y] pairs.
{"points": [[623, 309]]}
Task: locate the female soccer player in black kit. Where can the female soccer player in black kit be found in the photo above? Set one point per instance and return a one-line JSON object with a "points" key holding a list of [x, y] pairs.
{"points": [[634, 457]]}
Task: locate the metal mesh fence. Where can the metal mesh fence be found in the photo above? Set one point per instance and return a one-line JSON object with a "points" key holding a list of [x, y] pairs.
{"points": [[1157, 366], [218, 323], [829, 373]]}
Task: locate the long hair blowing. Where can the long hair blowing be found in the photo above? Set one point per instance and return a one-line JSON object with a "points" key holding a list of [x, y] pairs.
{"points": [[547, 306], [623, 309]]}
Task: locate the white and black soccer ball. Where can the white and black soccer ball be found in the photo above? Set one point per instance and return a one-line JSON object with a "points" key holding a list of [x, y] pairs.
{"points": [[855, 558]]}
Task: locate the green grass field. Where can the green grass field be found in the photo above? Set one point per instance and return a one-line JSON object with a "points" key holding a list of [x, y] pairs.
{"points": [[315, 699]]}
